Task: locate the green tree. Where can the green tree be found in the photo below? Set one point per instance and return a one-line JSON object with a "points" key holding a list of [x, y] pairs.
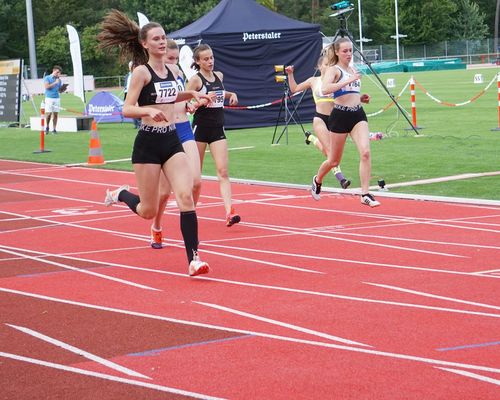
{"points": [[423, 21], [172, 14], [488, 8], [468, 22], [13, 34], [95, 61], [53, 49]]}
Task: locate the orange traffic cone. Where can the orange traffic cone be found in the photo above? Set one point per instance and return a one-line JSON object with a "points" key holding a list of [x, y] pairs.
{"points": [[95, 150]]}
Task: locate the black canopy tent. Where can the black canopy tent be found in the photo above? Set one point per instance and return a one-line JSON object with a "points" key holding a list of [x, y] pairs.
{"points": [[248, 40]]}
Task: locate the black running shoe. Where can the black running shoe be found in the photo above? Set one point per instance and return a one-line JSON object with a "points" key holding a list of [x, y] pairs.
{"points": [[345, 183]]}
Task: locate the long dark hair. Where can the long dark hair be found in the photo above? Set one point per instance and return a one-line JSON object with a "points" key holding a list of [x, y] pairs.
{"points": [[118, 30], [196, 55]]}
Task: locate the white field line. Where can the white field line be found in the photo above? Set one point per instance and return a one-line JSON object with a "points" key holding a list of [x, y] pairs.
{"points": [[295, 255], [479, 202], [436, 242], [111, 378], [283, 324], [80, 352], [286, 289], [440, 179], [472, 375], [8, 250], [258, 201], [433, 296], [273, 229], [371, 352], [341, 260]]}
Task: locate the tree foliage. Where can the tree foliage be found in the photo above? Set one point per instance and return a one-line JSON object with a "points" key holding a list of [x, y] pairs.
{"points": [[423, 21], [469, 21]]}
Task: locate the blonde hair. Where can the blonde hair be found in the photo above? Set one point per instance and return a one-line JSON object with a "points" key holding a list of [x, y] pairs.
{"points": [[331, 51], [118, 30], [172, 44]]}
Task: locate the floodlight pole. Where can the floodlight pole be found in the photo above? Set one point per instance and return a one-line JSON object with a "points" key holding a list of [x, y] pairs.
{"points": [[397, 29], [360, 27], [31, 40]]}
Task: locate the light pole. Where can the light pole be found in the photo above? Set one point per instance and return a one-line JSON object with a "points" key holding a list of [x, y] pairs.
{"points": [[31, 40], [360, 27], [397, 35], [397, 29]]}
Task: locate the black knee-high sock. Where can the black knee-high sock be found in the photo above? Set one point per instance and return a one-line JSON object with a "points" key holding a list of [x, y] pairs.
{"points": [[130, 199], [189, 229]]}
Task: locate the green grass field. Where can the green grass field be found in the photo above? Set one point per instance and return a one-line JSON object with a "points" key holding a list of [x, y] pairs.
{"points": [[453, 141]]}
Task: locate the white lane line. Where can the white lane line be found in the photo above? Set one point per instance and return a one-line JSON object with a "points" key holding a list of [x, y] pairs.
{"points": [[284, 289], [253, 260], [299, 231], [279, 288], [112, 378], [363, 235], [472, 375], [80, 352], [342, 260], [10, 250], [283, 324], [440, 179], [434, 296], [263, 335], [413, 221], [288, 232]]}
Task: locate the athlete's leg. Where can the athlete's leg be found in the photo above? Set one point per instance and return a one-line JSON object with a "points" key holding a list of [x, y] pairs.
{"points": [[191, 150], [219, 152], [360, 136], [156, 226], [179, 175], [147, 177]]}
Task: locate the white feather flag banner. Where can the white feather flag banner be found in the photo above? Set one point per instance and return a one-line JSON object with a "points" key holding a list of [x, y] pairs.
{"points": [[143, 20], [76, 58]]}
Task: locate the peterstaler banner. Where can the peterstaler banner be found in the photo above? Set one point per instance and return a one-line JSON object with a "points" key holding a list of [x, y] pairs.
{"points": [[106, 107]]}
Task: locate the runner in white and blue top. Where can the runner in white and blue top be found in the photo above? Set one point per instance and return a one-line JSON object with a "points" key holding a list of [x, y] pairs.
{"points": [[346, 118]]}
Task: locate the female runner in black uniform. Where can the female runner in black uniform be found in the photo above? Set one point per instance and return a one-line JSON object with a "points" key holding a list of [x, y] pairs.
{"points": [[208, 122], [157, 149]]}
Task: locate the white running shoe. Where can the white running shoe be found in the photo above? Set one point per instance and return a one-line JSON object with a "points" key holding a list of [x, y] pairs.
{"points": [[198, 267], [369, 200], [112, 196], [315, 189]]}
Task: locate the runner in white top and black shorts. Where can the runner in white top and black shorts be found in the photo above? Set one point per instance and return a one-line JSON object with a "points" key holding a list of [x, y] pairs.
{"points": [[347, 117]]}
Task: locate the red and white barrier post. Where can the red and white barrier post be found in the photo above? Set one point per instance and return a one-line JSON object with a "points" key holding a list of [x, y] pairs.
{"points": [[498, 84], [42, 130], [413, 104]]}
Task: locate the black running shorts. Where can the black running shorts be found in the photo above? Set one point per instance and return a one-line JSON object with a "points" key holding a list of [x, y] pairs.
{"points": [[343, 121], [155, 145], [208, 134]]}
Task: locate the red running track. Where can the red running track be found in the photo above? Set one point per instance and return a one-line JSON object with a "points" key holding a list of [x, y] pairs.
{"points": [[305, 300]]}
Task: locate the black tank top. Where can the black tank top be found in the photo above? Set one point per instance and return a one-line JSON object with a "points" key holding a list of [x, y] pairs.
{"points": [[212, 115], [158, 90]]}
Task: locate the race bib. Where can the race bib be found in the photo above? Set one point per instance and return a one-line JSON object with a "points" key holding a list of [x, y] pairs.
{"points": [[218, 100], [166, 92]]}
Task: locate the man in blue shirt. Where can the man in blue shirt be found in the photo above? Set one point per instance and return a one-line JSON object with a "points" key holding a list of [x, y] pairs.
{"points": [[53, 85]]}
